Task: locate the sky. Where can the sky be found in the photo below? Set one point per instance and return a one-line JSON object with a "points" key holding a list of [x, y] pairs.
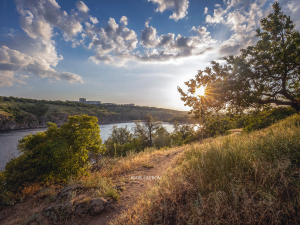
{"points": [[133, 51]]}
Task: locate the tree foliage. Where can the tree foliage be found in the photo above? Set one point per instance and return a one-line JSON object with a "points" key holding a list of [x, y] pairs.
{"points": [[268, 72], [56, 154], [146, 130]]}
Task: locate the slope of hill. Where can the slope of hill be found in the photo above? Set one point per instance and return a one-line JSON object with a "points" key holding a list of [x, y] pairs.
{"points": [[21, 113], [235, 179]]}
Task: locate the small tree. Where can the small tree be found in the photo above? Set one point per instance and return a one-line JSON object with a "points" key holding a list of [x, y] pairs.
{"points": [[268, 72], [146, 131], [120, 141], [56, 154], [162, 139]]}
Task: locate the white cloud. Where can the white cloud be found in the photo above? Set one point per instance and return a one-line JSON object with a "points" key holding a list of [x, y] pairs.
{"points": [[6, 78], [116, 44], [114, 39], [81, 7], [179, 7], [217, 17], [148, 36], [124, 20], [166, 47], [13, 61], [205, 10], [242, 18], [39, 17], [93, 20], [37, 55]]}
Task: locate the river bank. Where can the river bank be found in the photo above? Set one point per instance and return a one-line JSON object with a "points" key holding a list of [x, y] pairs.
{"points": [[9, 139]]}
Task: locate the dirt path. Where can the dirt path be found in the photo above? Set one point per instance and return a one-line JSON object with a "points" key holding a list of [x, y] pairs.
{"points": [[138, 182]]}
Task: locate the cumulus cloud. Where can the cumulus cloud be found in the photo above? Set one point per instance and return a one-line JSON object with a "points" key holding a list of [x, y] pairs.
{"points": [[179, 7], [13, 61], [112, 40], [242, 18], [35, 54], [124, 20], [217, 17], [116, 44], [39, 17], [166, 46], [148, 36], [81, 7], [94, 20]]}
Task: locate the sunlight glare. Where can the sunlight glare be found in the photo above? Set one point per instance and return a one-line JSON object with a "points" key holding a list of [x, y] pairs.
{"points": [[200, 91]]}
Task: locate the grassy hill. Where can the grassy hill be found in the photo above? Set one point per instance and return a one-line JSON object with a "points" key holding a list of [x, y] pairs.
{"points": [[236, 179]]}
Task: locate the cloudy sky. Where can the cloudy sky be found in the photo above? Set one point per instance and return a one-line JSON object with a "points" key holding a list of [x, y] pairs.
{"points": [[133, 51]]}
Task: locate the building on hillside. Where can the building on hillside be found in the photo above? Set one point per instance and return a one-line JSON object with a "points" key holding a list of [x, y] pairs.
{"points": [[83, 100], [93, 102], [109, 104], [130, 104]]}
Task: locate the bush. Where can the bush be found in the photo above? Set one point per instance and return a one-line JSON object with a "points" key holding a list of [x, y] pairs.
{"points": [[266, 118], [56, 154], [182, 134]]}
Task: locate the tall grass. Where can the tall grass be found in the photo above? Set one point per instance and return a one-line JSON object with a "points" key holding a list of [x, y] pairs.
{"points": [[236, 179]]}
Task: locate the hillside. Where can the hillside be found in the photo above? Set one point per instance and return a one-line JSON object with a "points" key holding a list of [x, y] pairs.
{"points": [[244, 178], [21, 113], [235, 179]]}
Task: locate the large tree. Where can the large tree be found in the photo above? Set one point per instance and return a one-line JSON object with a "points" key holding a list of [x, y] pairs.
{"points": [[268, 72]]}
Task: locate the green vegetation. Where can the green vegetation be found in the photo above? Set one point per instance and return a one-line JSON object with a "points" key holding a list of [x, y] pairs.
{"points": [[220, 125], [54, 155], [148, 134], [236, 179], [123, 141], [139, 113], [22, 110], [265, 73]]}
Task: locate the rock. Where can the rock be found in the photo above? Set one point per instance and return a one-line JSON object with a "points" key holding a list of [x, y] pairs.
{"points": [[64, 194], [63, 210], [93, 206]]}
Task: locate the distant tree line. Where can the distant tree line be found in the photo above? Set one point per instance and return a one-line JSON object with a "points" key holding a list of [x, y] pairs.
{"points": [[57, 102]]}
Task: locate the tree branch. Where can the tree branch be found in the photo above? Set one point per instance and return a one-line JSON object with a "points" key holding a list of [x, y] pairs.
{"points": [[275, 101]]}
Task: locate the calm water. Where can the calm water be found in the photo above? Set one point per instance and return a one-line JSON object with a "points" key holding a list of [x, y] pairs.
{"points": [[9, 139]]}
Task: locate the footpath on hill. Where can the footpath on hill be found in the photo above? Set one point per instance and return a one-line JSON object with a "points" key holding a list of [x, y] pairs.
{"points": [[138, 182]]}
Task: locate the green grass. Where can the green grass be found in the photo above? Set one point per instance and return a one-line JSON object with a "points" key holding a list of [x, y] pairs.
{"points": [[236, 179]]}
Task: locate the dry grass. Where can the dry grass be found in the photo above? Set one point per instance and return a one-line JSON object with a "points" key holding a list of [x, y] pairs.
{"points": [[121, 165], [243, 179]]}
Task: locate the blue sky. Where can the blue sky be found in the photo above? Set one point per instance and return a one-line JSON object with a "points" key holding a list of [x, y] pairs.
{"points": [[134, 51]]}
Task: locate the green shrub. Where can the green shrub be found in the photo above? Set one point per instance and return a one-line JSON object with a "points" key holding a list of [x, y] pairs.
{"points": [[266, 118], [56, 154]]}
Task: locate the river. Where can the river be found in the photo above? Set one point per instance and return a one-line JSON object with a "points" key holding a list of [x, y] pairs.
{"points": [[9, 139]]}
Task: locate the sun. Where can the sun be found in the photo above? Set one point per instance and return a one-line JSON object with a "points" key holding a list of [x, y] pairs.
{"points": [[200, 91]]}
